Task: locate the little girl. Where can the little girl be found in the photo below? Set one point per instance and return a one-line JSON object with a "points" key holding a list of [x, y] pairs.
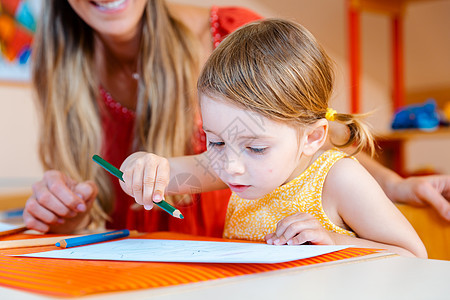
{"points": [[264, 102]]}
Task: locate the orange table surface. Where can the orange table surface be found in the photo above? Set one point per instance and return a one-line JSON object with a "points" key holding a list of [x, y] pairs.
{"points": [[74, 278]]}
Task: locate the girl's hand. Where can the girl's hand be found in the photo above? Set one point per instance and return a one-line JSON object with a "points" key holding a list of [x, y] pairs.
{"points": [[59, 204], [146, 177], [298, 229]]}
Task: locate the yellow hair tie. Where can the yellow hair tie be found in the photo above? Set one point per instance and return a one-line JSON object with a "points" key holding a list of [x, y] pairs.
{"points": [[330, 114]]}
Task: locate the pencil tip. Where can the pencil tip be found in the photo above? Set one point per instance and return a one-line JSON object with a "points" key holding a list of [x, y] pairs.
{"points": [[177, 214], [57, 244]]}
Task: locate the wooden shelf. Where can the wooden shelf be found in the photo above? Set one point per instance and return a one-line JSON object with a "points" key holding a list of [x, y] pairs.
{"points": [[411, 134], [394, 9], [392, 143], [389, 7]]}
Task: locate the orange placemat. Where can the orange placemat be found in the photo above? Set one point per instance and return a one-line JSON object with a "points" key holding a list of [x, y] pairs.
{"points": [[66, 278]]}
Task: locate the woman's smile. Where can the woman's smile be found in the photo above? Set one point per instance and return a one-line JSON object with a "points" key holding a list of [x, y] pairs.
{"points": [[110, 6]]}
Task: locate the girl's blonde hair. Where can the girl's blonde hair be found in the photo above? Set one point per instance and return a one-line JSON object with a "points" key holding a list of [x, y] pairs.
{"points": [[277, 68], [67, 88]]}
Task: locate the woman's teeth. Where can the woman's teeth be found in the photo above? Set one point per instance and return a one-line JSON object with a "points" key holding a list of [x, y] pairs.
{"points": [[110, 5]]}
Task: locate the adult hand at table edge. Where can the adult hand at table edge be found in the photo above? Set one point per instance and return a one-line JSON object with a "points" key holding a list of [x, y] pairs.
{"points": [[430, 190], [59, 204]]}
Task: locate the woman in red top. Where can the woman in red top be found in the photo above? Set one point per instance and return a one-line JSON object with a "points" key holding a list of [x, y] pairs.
{"points": [[114, 77]]}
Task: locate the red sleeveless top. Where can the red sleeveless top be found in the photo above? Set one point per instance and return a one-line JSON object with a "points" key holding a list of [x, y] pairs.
{"points": [[205, 215]]}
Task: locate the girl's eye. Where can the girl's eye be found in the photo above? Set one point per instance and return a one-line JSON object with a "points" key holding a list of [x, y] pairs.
{"points": [[257, 150], [216, 144]]}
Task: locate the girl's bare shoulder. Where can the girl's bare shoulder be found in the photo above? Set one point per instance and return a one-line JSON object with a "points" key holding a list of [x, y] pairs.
{"points": [[346, 170]]}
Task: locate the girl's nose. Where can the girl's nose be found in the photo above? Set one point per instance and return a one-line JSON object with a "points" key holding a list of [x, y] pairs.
{"points": [[234, 165]]}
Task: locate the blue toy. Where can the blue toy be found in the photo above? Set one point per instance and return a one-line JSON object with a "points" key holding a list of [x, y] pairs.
{"points": [[420, 116]]}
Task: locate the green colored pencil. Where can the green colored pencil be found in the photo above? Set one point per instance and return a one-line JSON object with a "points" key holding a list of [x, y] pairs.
{"points": [[116, 172]]}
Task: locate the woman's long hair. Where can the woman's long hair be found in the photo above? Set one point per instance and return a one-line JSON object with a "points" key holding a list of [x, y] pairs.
{"points": [[67, 87]]}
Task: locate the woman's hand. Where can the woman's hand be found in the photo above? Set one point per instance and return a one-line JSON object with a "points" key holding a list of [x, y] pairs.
{"points": [[298, 229], [146, 177], [59, 204], [432, 190]]}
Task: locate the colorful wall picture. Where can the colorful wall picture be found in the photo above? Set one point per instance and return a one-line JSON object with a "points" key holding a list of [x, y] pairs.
{"points": [[17, 27]]}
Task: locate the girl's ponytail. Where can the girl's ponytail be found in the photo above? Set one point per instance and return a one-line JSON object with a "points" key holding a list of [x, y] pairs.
{"points": [[359, 133]]}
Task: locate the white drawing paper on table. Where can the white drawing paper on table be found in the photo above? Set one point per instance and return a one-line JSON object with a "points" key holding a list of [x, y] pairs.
{"points": [[7, 226], [188, 251]]}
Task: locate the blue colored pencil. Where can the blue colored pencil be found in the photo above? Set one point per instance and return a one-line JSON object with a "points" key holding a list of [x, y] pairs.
{"points": [[94, 238]]}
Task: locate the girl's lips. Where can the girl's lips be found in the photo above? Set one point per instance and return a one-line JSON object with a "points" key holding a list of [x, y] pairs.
{"points": [[238, 187]]}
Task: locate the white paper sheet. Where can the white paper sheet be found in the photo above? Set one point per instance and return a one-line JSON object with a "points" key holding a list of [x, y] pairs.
{"points": [[7, 226], [188, 251]]}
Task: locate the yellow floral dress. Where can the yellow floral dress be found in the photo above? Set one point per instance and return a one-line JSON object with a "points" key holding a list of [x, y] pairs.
{"points": [[253, 219]]}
